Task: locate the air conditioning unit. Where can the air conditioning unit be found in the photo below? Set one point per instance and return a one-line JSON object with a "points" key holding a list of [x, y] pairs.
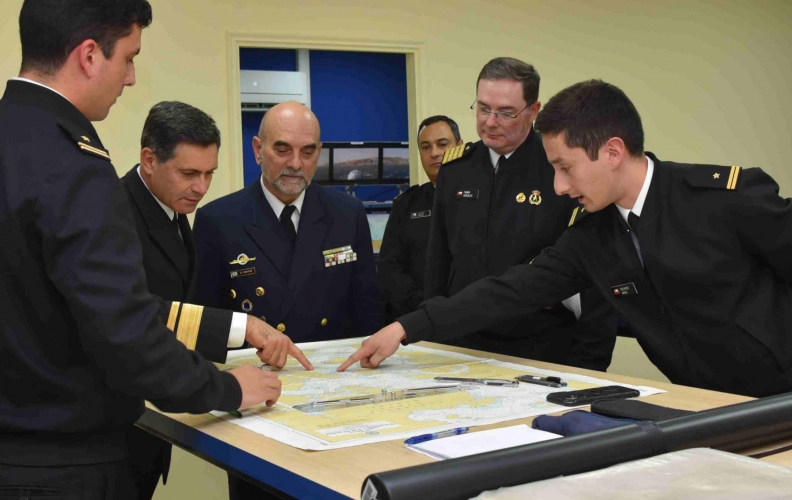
{"points": [[260, 90]]}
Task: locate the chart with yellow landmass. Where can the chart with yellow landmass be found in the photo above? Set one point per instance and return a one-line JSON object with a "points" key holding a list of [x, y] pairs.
{"points": [[410, 368]]}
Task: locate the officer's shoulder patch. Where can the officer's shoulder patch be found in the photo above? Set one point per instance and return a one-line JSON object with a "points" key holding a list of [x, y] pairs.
{"points": [[713, 176], [83, 141], [577, 215], [458, 152], [410, 189]]}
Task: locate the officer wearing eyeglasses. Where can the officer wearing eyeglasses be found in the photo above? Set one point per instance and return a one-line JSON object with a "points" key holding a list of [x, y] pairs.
{"points": [[495, 207]]}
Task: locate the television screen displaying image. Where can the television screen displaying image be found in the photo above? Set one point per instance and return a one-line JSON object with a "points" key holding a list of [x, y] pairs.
{"points": [[323, 166], [355, 164], [395, 163]]}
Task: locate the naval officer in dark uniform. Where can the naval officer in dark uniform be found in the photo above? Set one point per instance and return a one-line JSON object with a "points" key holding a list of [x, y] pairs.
{"points": [[178, 157], [494, 208], [695, 258], [293, 252], [284, 249], [402, 256], [81, 338]]}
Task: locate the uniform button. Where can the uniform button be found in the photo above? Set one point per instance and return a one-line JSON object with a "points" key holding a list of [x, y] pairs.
{"points": [[259, 292], [233, 293], [281, 327], [324, 322]]}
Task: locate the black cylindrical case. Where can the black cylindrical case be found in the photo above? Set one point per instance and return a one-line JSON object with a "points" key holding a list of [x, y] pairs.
{"points": [[728, 428]]}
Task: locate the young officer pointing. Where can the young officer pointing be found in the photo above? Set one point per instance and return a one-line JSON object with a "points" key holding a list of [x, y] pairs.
{"points": [[695, 258]]}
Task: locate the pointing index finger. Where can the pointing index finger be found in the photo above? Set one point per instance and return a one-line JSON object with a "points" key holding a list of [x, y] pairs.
{"points": [[297, 354], [354, 358]]}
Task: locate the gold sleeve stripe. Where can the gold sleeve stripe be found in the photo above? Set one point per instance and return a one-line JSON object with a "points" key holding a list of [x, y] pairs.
{"points": [[93, 150], [174, 313], [735, 172], [574, 214], [189, 324]]}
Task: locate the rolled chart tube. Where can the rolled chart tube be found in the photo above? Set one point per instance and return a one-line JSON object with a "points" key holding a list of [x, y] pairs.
{"points": [[728, 428]]}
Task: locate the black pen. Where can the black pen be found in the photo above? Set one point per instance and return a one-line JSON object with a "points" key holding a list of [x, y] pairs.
{"points": [[548, 381]]}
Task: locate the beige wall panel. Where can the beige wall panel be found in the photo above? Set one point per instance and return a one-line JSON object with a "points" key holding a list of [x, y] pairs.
{"points": [[709, 78]]}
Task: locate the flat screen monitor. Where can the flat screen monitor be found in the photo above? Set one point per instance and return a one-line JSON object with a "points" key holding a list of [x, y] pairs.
{"points": [[355, 164], [395, 163]]}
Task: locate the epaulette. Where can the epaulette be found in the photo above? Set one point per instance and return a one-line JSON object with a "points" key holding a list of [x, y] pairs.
{"points": [[713, 176], [83, 141], [458, 152], [577, 214], [411, 188]]}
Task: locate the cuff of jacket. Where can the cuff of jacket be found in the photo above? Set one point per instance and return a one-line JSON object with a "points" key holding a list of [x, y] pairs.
{"points": [[417, 326], [232, 393]]}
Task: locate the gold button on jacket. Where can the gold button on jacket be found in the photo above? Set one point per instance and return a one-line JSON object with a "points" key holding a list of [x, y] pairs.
{"points": [[233, 293], [281, 327], [324, 322], [260, 291]]}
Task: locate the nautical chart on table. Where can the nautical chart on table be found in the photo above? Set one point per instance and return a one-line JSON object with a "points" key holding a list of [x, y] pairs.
{"points": [[380, 411]]}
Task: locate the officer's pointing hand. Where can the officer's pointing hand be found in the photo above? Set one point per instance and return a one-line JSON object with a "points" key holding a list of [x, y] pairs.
{"points": [[272, 345], [377, 348]]}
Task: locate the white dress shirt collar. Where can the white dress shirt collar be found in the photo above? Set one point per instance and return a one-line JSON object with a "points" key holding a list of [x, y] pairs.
{"points": [[40, 85], [494, 157], [278, 206], [168, 210], [639, 202]]}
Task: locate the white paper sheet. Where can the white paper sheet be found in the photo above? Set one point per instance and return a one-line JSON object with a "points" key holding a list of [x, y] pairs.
{"points": [[481, 442]]}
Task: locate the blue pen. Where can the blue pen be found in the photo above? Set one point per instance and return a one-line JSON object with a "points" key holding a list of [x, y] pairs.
{"points": [[436, 435]]}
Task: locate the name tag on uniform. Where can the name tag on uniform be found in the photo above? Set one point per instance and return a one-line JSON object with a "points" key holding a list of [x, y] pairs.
{"points": [[420, 215], [336, 256], [250, 271], [625, 289], [468, 194]]}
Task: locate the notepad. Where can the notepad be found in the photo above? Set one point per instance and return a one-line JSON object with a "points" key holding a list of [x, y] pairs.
{"points": [[482, 442]]}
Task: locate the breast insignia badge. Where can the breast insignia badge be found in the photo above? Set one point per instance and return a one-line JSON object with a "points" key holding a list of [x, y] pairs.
{"points": [[535, 198], [242, 259]]}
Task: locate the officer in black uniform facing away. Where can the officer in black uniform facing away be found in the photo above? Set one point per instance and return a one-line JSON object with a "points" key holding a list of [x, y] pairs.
{"points": [[695, 258], [82, 340], [494, 208], [402, 256]]}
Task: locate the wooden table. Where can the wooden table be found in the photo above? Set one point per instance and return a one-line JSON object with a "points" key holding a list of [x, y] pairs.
{"points": [[339, 474]]}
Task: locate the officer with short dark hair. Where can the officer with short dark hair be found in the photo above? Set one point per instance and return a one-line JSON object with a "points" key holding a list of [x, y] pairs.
{"points": [[402, 256], [82, 342], [695, 258]]}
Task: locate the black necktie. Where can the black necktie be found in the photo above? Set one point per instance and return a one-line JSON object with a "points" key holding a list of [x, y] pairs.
{"points": [[175, 222], [501, 161], [634, 222], [286, 221]]}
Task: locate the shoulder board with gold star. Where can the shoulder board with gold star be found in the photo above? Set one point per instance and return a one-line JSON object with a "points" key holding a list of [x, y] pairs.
{"points": [[458, 152], [713, 176], [84, 141], [577, 214]]}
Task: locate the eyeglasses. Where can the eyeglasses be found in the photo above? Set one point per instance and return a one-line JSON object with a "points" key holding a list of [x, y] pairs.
{"points": [[481, 111]]}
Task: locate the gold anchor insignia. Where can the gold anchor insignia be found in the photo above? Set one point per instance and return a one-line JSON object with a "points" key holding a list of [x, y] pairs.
{"points": [[85, 138], [242, 260], [521, 198], [716, 176], [536, 198]]}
